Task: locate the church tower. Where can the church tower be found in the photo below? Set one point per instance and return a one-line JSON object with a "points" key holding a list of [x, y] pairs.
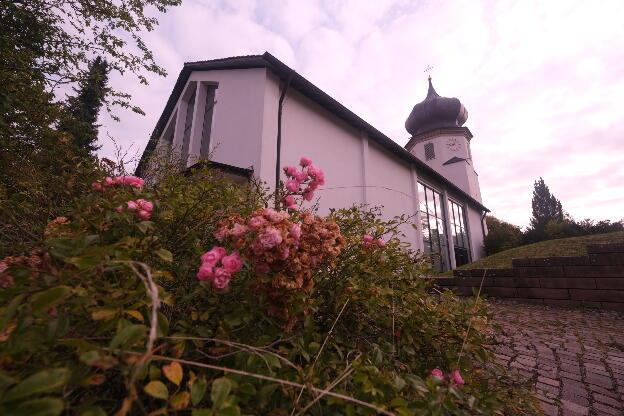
{"points": [[440, 140]]}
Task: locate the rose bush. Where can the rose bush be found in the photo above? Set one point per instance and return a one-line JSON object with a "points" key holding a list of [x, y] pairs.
{"points": [[215, 304]]}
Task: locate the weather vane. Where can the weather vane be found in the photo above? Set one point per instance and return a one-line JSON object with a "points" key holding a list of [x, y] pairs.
{"points": [[429, 69]]}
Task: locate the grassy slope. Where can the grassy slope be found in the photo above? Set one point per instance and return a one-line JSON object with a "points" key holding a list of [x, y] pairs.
{"points": [[574, 246]]}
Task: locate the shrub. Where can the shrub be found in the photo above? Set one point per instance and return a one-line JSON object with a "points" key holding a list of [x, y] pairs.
{"points": [[187, 292], [501, 235]]}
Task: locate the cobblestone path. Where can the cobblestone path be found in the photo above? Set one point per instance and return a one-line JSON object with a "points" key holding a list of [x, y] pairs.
{"points": [[575, 356]]}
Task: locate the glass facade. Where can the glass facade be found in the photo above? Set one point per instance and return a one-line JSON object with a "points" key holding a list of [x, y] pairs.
{"points": [[433, 229], [458, 231]]}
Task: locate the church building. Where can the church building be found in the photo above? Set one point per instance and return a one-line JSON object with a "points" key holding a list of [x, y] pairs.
{"points": [[253, 114]]}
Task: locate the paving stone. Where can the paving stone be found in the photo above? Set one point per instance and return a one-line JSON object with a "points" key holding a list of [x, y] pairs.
{"points": [[604, 409], [549, 409], [573, 407], [607, 400]]}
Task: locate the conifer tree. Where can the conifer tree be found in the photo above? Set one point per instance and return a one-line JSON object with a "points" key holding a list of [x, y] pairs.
{"points": [[81, 112], [546, 208]]}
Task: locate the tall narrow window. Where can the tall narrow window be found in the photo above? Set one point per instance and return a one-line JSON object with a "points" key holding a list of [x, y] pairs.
{"points": [[207, 122], [460, 236], [433, 231], [186, 138], [429, 151]]}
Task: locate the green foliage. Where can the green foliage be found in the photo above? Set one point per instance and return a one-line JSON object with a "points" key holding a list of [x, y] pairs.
{"points": [[107, 317], [501, 235], [546, 208]]}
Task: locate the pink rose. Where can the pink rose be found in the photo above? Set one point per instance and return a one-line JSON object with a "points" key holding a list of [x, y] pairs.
{"points": [[53, 312], [456, 377], [3, 266], [290, 170], [120, 208], [275, 216], [284, 253], [146, 205], [256, 222], [144, 215], [381, 243], [238, 230], [262, 268], [205, 272], [96, 186], [308, 195], [221, 279], [108, 181], [270, 238], [295, 231], [289, 201], [305, 162], [213, 256], [437, 373], [293, 185], [130, 180], [232, 263], [301, 175], [368, 238], [132, 206], [220, 235]]}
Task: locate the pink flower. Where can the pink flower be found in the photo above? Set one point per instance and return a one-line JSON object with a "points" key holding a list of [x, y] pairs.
{"points": [[301, 175], [295, 231], [256, 222], [275, 216], [3, 266], [205, 272], [120, 208], [368, 238], [289, 202], [96, 186], [293, 185], [146, 205], [132, 205], [220, 235], [130, 180], [381, 243], [284, 253], [270, 238], [305, 162], [144, 215], [232, 263], [290, 170], [53, 312], [308, 195], [262, 268], [437, 373], [108, 181], [456, 377], [238, 230], [212, 257], [221, 279]]}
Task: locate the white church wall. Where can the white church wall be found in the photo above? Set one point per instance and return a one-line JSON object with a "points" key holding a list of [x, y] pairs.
{"points": [[237, 119]]}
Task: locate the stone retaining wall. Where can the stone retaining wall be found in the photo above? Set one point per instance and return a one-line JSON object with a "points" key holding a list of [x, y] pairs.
{"points": [[595, 280]]}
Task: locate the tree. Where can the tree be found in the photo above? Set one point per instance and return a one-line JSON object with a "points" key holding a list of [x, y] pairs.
{"points": [[501, 235], [546, 208], [81, 112]]}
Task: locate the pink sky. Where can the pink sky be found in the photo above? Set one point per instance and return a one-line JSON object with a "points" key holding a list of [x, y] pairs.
{"points": [[543, 81]]}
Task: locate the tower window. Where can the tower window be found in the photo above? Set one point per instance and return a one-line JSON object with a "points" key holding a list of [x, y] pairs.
{"points": [[429, 151]]}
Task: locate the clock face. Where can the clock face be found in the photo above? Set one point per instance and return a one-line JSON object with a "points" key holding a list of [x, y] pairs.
{"points": [[453, 144]]}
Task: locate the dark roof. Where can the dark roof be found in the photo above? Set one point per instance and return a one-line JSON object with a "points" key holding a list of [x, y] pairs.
{"points": [[311, 91], [452, 160]]}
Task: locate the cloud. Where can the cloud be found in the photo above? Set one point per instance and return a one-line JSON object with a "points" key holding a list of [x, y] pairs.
{"points": [[542, 81]]}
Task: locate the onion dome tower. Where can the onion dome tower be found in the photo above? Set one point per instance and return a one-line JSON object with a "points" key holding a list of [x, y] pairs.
{"points": [[439, 138], [435, 112]]}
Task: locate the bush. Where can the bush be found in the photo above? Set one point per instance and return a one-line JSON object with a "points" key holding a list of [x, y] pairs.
{"points": [[130, 307], [501, 235]]}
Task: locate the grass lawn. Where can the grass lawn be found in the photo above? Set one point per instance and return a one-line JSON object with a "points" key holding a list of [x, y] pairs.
{"points": [[574, 246]]}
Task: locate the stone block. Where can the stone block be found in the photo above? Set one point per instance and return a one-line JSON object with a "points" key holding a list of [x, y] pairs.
{"points": [[605, 248], [462, 273], [610, 283], [613, 306], [444, 281], [563, 303], [516, 282], [527, 300], [607, 259], [568, 282], [535, 292], [594, 271], [597, 295], [474, 281], [549, 271], [500, 292], [498, 272]]}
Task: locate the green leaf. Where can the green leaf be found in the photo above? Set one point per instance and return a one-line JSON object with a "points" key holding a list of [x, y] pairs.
{"points": [[43, 381], [93, 411], [163, 325], [202, 412], [273, 360], [173, 372], [198, 390], [49, 298], [9, 311], [6, 380], [164, 254], [221, 388], [180, 400], [157, 389], [144, 226], [128, 336], [229, 411], [46, 406]]}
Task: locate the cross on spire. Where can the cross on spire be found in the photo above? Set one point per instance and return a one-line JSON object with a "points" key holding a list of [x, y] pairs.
{"points": [[429, 69]]}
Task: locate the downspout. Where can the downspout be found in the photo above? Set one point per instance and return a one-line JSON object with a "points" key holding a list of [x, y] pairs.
{"points": [[280, 106], [483, 225]]}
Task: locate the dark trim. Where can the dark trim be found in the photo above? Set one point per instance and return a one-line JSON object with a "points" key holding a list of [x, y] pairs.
{"points": [[452, 160], [278, 159], [311, 91], [235, 170]]}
